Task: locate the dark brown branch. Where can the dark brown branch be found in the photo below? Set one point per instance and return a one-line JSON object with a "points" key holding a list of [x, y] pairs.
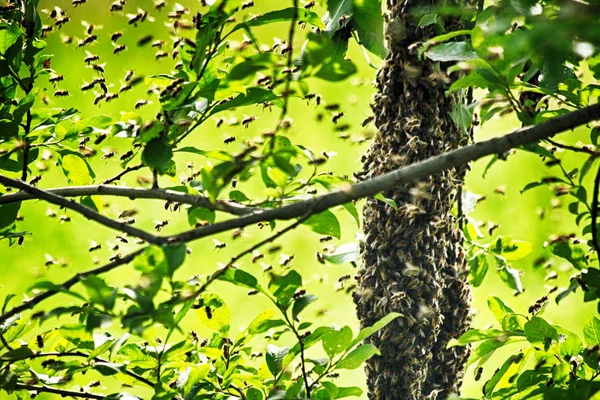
{"points": [[594, 214], [81, 209], [75, 354], [61, 392], [405, 175], [31, 303], [230, 207], [123, 173]]}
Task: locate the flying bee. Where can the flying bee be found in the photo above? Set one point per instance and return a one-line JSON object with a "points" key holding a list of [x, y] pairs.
{"points": [[124, 88], [219, 122], [78, 2], [94, 246], [160, 224], [161, 54], [229, 139], [139, 17], [326, 239], [247, 4], [115, 36], [336, 117], [128, 75], [159, 4], [219, 245], [158, 44], [108, 154], [89, 28], [183, 25], [318, 161], [332, 107], [60, 21], [117, 5], [99, 68], [55, 78], [248, 120], [478, 373], [343, 20], [39, 341], [100, 138], [309, 5], [144, 40], [87, 40], [253, 292], [90, 58], [367, 121], [111, 96], [127, 155], [46, 29], [115, 257], [140, 103], [61, 93], [119, 49], [344, 278], [208, 312], [35, 180], [64, 218]]}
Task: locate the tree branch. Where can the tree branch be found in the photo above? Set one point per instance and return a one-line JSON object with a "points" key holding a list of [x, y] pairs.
{"points": [[81, 209], [230, 207], [61, 392], [29, 304], [404, 175], [75, 354], [123, 173]]}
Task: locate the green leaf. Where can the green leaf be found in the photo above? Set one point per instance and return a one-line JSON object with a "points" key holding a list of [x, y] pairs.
{"points": [[389, 202], [158, 155], [571, 252], [240, 278], [358, 356], [337, 9], [377, 326], [199, 214], [263, 322], [337, 341], [301, 303], [478, 268], [283, 287], [478, 335], [485, 350], [274, 357], [569, 343], [561, 371], [213, 312], [504, 314], [346, 253], [591, 331], [325, 223], [9, 34], [538, 330], [511, 249], [454, 51], [76, 168], [8, 215], [368, 21], [287, 14], [8, 129], [99, 292], [509, 275], [462, 116]]}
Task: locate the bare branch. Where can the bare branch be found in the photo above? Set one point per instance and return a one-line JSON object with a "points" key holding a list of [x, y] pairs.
{"points": [[404, 175], [230, 207], [61, 392], [123, 173], [81, 209], [29, 304]]}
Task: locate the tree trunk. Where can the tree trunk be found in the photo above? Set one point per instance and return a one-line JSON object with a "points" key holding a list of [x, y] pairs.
{"points": [[412, 257]]}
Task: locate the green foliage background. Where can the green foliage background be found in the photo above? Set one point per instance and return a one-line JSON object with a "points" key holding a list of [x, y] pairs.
{"points": [[69, 242]]}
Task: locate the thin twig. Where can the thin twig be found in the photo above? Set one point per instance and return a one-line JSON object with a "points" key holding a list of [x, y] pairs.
{"points": [[61, 392], [81, 209], [123, 173], [230, 207], [75, 354], [31, 303], [594, 214], [573, 148], [5, 343]]}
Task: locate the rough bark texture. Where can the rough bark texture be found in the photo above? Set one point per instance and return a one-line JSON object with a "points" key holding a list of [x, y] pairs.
{"points": [[412, 257]]}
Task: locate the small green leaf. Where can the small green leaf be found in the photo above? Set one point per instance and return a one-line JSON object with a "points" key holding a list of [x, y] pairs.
{"points": [[368, 20], [9, 34], [301, 303], [325, 223], [8, 215], [358, 356], [158, 155], [76, 168], [389, 202], [99, 292], [478, 268], [454, 51], [504, 314], [538, 330], [274, 357], [591, 331], [343, 254], [377, 326], [213, 312], [337, 341], [283, 287]]}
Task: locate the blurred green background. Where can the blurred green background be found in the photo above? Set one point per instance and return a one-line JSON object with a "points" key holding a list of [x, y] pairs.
{"points": [[68, 242]]}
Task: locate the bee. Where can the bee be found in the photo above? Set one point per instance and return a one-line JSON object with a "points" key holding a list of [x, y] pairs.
{"points": [[108, 154], [478, 373], [160, 224], [219, 245], [87, 40], [124, 88], [184, 25], [46, 29], [344, 278], [208, 312], [253, 292], [367, 121], [336, 117], [160, 54], [115, 257], [94, 384], [60, 21], [139, 17], [119, 49], [144, 40], [117, 5], [20, 240], [318, 161], [122, 238], [247, 120], [89, 28], [78, 2], [326, 239], [64, 218], [50, 213], [115, 36], [247, 4], [94, 246], [309, 5], [299, 293], [55, 78], [343, 20], [40, 341], [286, 260], [127, 155], [159, 4], [61, 93], [100, 138], [99, 68], [90, 58], [219, 122], [229, 139], [257, 256], [158, 44], [140, 103], [128, 221]]}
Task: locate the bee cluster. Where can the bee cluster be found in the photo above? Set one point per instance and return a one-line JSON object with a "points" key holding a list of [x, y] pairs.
{"points": [[412, 257]]}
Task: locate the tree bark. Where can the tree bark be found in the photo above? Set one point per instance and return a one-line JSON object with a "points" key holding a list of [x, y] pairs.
{"points": [[412, 257]]}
